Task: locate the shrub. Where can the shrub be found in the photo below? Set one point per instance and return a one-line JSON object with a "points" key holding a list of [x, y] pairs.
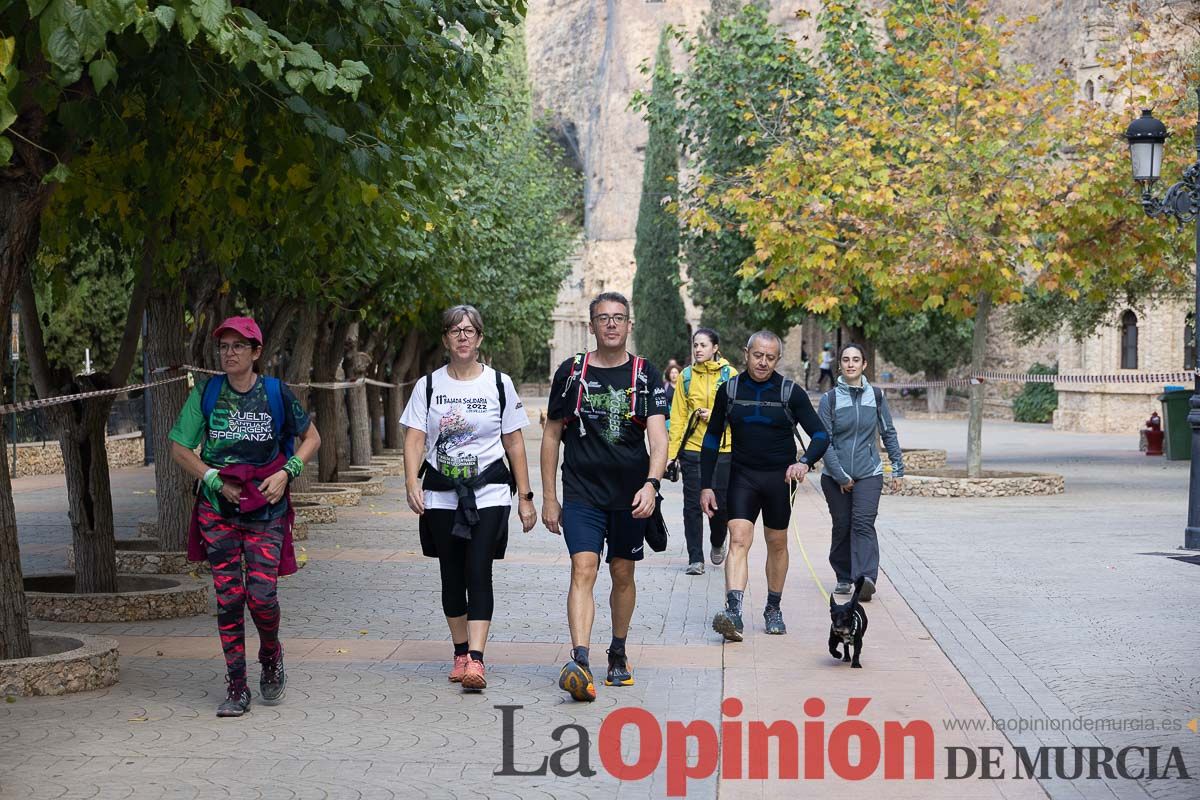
{"points": [[1037, 401]]}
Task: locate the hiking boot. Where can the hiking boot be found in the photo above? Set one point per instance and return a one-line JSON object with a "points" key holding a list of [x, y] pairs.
{"points": [[237, 700], [473, 679], [460, 668], [576, 680], [774, 620], [717, 556], [868, 590], [843, 587], [273, 682], [695, 568], [728, 624], [619, 671]]}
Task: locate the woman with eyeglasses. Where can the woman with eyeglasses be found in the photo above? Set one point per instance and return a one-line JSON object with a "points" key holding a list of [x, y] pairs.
{"points": [[462, 421], [245, 425]]}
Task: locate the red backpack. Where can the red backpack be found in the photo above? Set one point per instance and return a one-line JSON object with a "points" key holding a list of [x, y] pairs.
{"points": [[578, 376]]}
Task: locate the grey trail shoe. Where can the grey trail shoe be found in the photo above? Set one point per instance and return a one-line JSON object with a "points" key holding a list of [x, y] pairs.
{"points": [[774, 619], [237, 700], [868, 590], [695, 568], [718, 555], [273, 682], [728, 624], [843, 587]]}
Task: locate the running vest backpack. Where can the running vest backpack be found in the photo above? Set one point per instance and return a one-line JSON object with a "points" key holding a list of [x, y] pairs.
{"points": [[785, 396], [579, 375], [274, 387], [726, 374]]}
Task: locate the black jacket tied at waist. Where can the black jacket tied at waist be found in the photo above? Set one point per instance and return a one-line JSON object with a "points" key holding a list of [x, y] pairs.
{"points": [[466, 516]]}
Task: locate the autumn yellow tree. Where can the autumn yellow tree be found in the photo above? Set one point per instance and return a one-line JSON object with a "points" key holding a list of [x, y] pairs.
{"points": [[951, 180]]}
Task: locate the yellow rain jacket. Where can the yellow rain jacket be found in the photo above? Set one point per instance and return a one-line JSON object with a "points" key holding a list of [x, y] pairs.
{"points": [[696, 388]]}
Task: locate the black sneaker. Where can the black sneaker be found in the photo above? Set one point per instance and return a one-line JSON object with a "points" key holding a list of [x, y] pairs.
{"points": [[619, 672], [273, 682], [237, 700], [728, 624]]}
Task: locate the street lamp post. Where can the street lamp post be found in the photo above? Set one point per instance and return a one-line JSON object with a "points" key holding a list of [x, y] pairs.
{"points": [[1146, 136]]}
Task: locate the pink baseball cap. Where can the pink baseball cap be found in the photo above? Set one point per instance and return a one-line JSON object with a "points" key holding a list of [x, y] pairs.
{"points": [[246, 326]]}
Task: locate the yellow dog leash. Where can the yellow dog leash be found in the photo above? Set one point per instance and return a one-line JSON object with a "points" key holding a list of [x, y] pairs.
{"points": [[796, 532]]}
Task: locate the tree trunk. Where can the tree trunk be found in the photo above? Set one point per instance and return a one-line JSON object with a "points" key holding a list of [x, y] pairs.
{"points": [[14, 624], [935, 398], [401, 366], [81, 435], [165, 339], [300, 363], [978, 356], [375, 407], [354, 366], [327, 356], [23, 197]]}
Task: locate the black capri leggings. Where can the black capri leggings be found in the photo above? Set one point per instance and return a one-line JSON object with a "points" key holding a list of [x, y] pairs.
{"points": [[466, 566]]}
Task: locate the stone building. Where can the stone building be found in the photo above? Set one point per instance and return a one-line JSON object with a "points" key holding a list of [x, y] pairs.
{"points": [[585, 61]]}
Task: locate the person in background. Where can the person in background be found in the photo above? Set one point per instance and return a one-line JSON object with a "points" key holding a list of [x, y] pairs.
{"points": [[698, 385], [855, 413], [670, 379], [826, 366]]}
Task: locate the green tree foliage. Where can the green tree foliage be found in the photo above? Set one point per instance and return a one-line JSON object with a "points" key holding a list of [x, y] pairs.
{"points": [[741, 75], [929, 342], [1036, 401], [661, 321]]}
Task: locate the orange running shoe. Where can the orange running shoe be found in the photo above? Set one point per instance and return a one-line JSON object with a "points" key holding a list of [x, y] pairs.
{"points": [[474, 679], [576, 680], [460, 668]]}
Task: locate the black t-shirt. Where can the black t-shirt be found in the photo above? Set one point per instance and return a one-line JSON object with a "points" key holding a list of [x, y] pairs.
{"points": [[605, 462]]}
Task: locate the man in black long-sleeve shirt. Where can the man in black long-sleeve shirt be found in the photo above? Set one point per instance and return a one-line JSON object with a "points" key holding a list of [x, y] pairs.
{"points": [[764, 463]]}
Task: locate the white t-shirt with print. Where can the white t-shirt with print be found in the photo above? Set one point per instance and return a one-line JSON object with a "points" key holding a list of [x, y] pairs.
{"points": [[463, 429]]}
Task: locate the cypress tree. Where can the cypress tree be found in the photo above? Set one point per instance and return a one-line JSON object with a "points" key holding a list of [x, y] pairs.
{"points": [[661, 331]]}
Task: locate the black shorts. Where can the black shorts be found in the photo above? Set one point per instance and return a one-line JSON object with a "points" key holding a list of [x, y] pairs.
{"points": [[435, 524], [752, 491]]}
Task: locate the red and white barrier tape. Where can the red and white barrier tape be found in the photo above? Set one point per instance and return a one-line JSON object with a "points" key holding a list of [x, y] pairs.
{"points": [[1028, 377], [29, 405]]}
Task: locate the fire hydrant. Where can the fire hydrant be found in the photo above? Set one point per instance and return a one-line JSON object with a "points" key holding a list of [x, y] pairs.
{"points": [[1154, 435]]}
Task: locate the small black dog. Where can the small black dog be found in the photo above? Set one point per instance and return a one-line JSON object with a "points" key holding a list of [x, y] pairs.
{"points": [[849, 623]]}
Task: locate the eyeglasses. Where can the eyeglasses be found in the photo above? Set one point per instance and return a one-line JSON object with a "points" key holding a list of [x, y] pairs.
{"points": [[610, 319], [464, 332], [237, 348]]}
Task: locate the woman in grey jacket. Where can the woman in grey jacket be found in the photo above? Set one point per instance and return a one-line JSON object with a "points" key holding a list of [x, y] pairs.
{"points": [[854, 412]]}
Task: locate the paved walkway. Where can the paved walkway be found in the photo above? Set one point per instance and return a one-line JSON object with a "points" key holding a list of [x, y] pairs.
{"points": [[1040, 607]]}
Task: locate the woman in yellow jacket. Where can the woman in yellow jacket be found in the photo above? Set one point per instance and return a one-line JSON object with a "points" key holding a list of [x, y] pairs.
{"points": [[690, 409]]}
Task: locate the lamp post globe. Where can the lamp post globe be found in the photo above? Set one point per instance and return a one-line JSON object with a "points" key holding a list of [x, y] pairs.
{"points": [[1146, 136]]}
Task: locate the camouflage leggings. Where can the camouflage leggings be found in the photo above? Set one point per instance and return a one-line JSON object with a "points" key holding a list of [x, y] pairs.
{"points": [[228, 543]]}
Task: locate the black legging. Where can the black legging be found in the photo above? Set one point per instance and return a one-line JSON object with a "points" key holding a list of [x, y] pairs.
{"points": [[466, 566]]}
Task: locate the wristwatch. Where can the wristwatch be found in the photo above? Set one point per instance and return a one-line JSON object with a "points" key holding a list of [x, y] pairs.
{"points": [[526, 496], [655, 482]]}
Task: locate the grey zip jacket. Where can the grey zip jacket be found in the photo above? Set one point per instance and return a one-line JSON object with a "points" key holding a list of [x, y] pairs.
{"points": [[852, 417]]}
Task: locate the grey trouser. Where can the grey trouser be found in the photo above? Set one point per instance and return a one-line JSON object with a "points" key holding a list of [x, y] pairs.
{"points": [[693, 517], [854, 549]]}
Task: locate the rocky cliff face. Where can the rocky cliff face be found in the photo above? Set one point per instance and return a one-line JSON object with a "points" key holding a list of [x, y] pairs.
{"points": [[585, 59]]}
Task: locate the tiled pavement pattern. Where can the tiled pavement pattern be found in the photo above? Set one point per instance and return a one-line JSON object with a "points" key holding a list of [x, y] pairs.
{"points": [[1048, 606], [369, 713]]}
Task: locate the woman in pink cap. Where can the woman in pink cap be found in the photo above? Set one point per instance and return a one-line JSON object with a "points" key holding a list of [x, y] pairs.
{"points": [[245, 425]]}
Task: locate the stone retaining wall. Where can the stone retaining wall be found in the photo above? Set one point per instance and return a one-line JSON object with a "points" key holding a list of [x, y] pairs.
{"points": [[995, 484], [45, 458], [188, 598], [61, 665], [336, 494], [918, 459], [317, 514]]}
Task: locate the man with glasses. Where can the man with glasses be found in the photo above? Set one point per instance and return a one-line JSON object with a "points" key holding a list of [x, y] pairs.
{"points": [[604, 405], [761, 409], [245, 426]]}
